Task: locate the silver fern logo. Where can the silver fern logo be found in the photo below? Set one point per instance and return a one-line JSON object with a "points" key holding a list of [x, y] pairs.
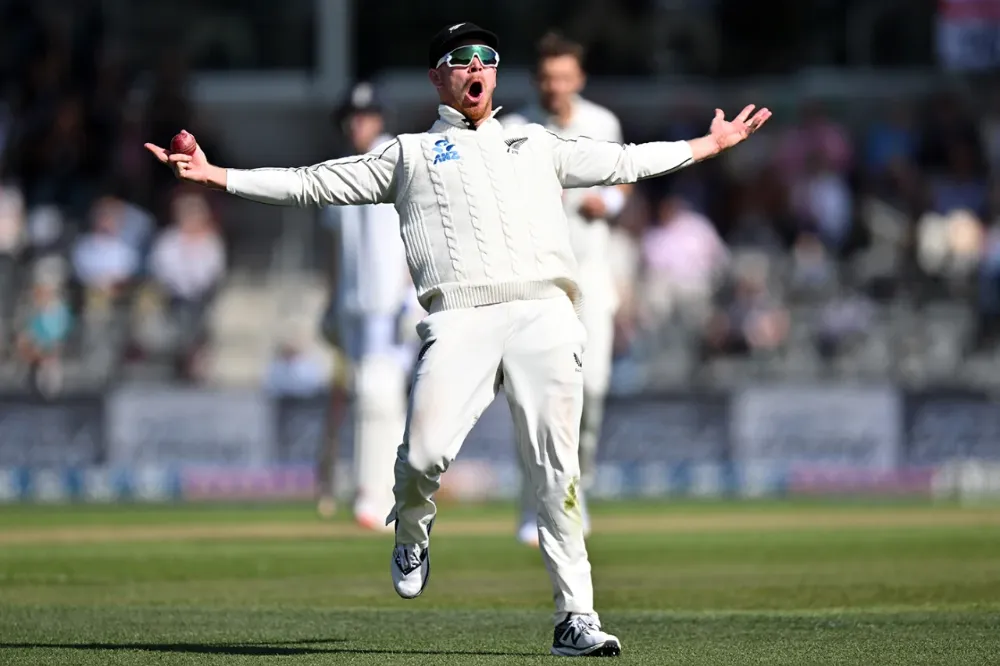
{"points": [[514, 145]]}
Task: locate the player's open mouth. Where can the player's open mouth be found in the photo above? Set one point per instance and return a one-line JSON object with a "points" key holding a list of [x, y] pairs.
{"points": [[475, 92]]}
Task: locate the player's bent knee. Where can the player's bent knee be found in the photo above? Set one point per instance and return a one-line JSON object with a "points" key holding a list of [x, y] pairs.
{"points": [[425, 463]]}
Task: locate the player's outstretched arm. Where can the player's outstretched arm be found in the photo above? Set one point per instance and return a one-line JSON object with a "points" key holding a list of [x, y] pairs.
{"points": [[362, 179], [584, 162]]}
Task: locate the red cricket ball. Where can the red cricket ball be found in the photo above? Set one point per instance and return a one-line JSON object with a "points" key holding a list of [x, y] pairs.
{"points": [[183, 142]]}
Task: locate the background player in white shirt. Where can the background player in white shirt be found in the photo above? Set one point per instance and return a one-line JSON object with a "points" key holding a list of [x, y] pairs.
{"points": [[370, 296], [560, 78]]}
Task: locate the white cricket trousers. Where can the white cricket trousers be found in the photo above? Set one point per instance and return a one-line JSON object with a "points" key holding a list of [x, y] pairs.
{"points": [[379, 420], [599, 323], [534, 348]]}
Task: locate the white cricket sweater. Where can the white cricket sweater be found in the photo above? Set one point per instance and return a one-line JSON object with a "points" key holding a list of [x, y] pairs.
{"points": [[480, 209]]}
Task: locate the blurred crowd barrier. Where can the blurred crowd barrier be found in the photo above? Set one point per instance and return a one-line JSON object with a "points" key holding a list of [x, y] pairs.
{"points": [[162, 444]]}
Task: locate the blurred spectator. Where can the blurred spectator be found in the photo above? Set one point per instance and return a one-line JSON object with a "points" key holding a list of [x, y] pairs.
{"points": [[188, 262], [843, 321], [297, 370], [750, 319], [46, 230], [134, 225], [813, 270], [949, 247], [990, 130], [890, 202], [822, 200], [683, 256], [961, 185], [625, 261], [40, 343], [817, 141], [761, 214], [891, 140], [625, 255], [898, 185], [12, 222], [989, 290], [12, 235], [188, 259], [946, 125], [103, 260]]}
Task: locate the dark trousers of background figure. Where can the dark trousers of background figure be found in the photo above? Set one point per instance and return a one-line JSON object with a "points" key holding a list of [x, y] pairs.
{"points": [[188, 317], [988, 302], [330, 446], [8, 298]]}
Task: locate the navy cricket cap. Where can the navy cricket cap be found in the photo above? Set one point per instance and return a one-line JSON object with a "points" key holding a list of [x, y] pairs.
{"points": [[360, 99], [446, 39]]}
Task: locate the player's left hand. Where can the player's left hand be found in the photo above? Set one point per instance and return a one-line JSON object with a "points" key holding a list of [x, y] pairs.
{"points": [[593, 207], [728, 133], [193, 168]]}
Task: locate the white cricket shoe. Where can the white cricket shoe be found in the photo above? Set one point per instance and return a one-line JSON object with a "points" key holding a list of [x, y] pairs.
{"points": [[411, 569], [581, 636]]}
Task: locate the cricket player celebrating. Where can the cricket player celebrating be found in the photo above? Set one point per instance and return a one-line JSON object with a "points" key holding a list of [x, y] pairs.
{"points": [[562, 111], [488, 248], [370, 295]]}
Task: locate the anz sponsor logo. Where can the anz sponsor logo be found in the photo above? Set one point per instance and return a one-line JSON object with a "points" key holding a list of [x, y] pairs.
{"points": [[444, 151]]}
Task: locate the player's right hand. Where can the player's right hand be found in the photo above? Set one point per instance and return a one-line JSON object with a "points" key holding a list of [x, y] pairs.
{"points": [[193, 168]]}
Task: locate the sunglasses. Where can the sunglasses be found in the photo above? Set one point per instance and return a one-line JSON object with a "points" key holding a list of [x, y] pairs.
{"points": [[463, 55]]}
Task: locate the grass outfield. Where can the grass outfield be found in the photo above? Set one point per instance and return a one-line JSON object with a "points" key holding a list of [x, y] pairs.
{"points": [[690, 583]]}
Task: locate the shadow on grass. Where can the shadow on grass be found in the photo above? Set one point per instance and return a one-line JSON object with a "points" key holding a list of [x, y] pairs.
{"points": [[269, 649]]}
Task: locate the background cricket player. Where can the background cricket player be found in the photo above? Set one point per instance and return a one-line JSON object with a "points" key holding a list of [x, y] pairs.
{"points": [[370, 296], [560, 109], [488, 247]]}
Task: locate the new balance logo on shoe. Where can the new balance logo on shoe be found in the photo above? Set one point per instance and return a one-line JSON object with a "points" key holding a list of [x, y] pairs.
{"points": [[407, 559], [572, 634]]}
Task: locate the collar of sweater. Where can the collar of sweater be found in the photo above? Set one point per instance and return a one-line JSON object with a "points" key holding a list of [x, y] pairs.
{"points": [[454, 118]]}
